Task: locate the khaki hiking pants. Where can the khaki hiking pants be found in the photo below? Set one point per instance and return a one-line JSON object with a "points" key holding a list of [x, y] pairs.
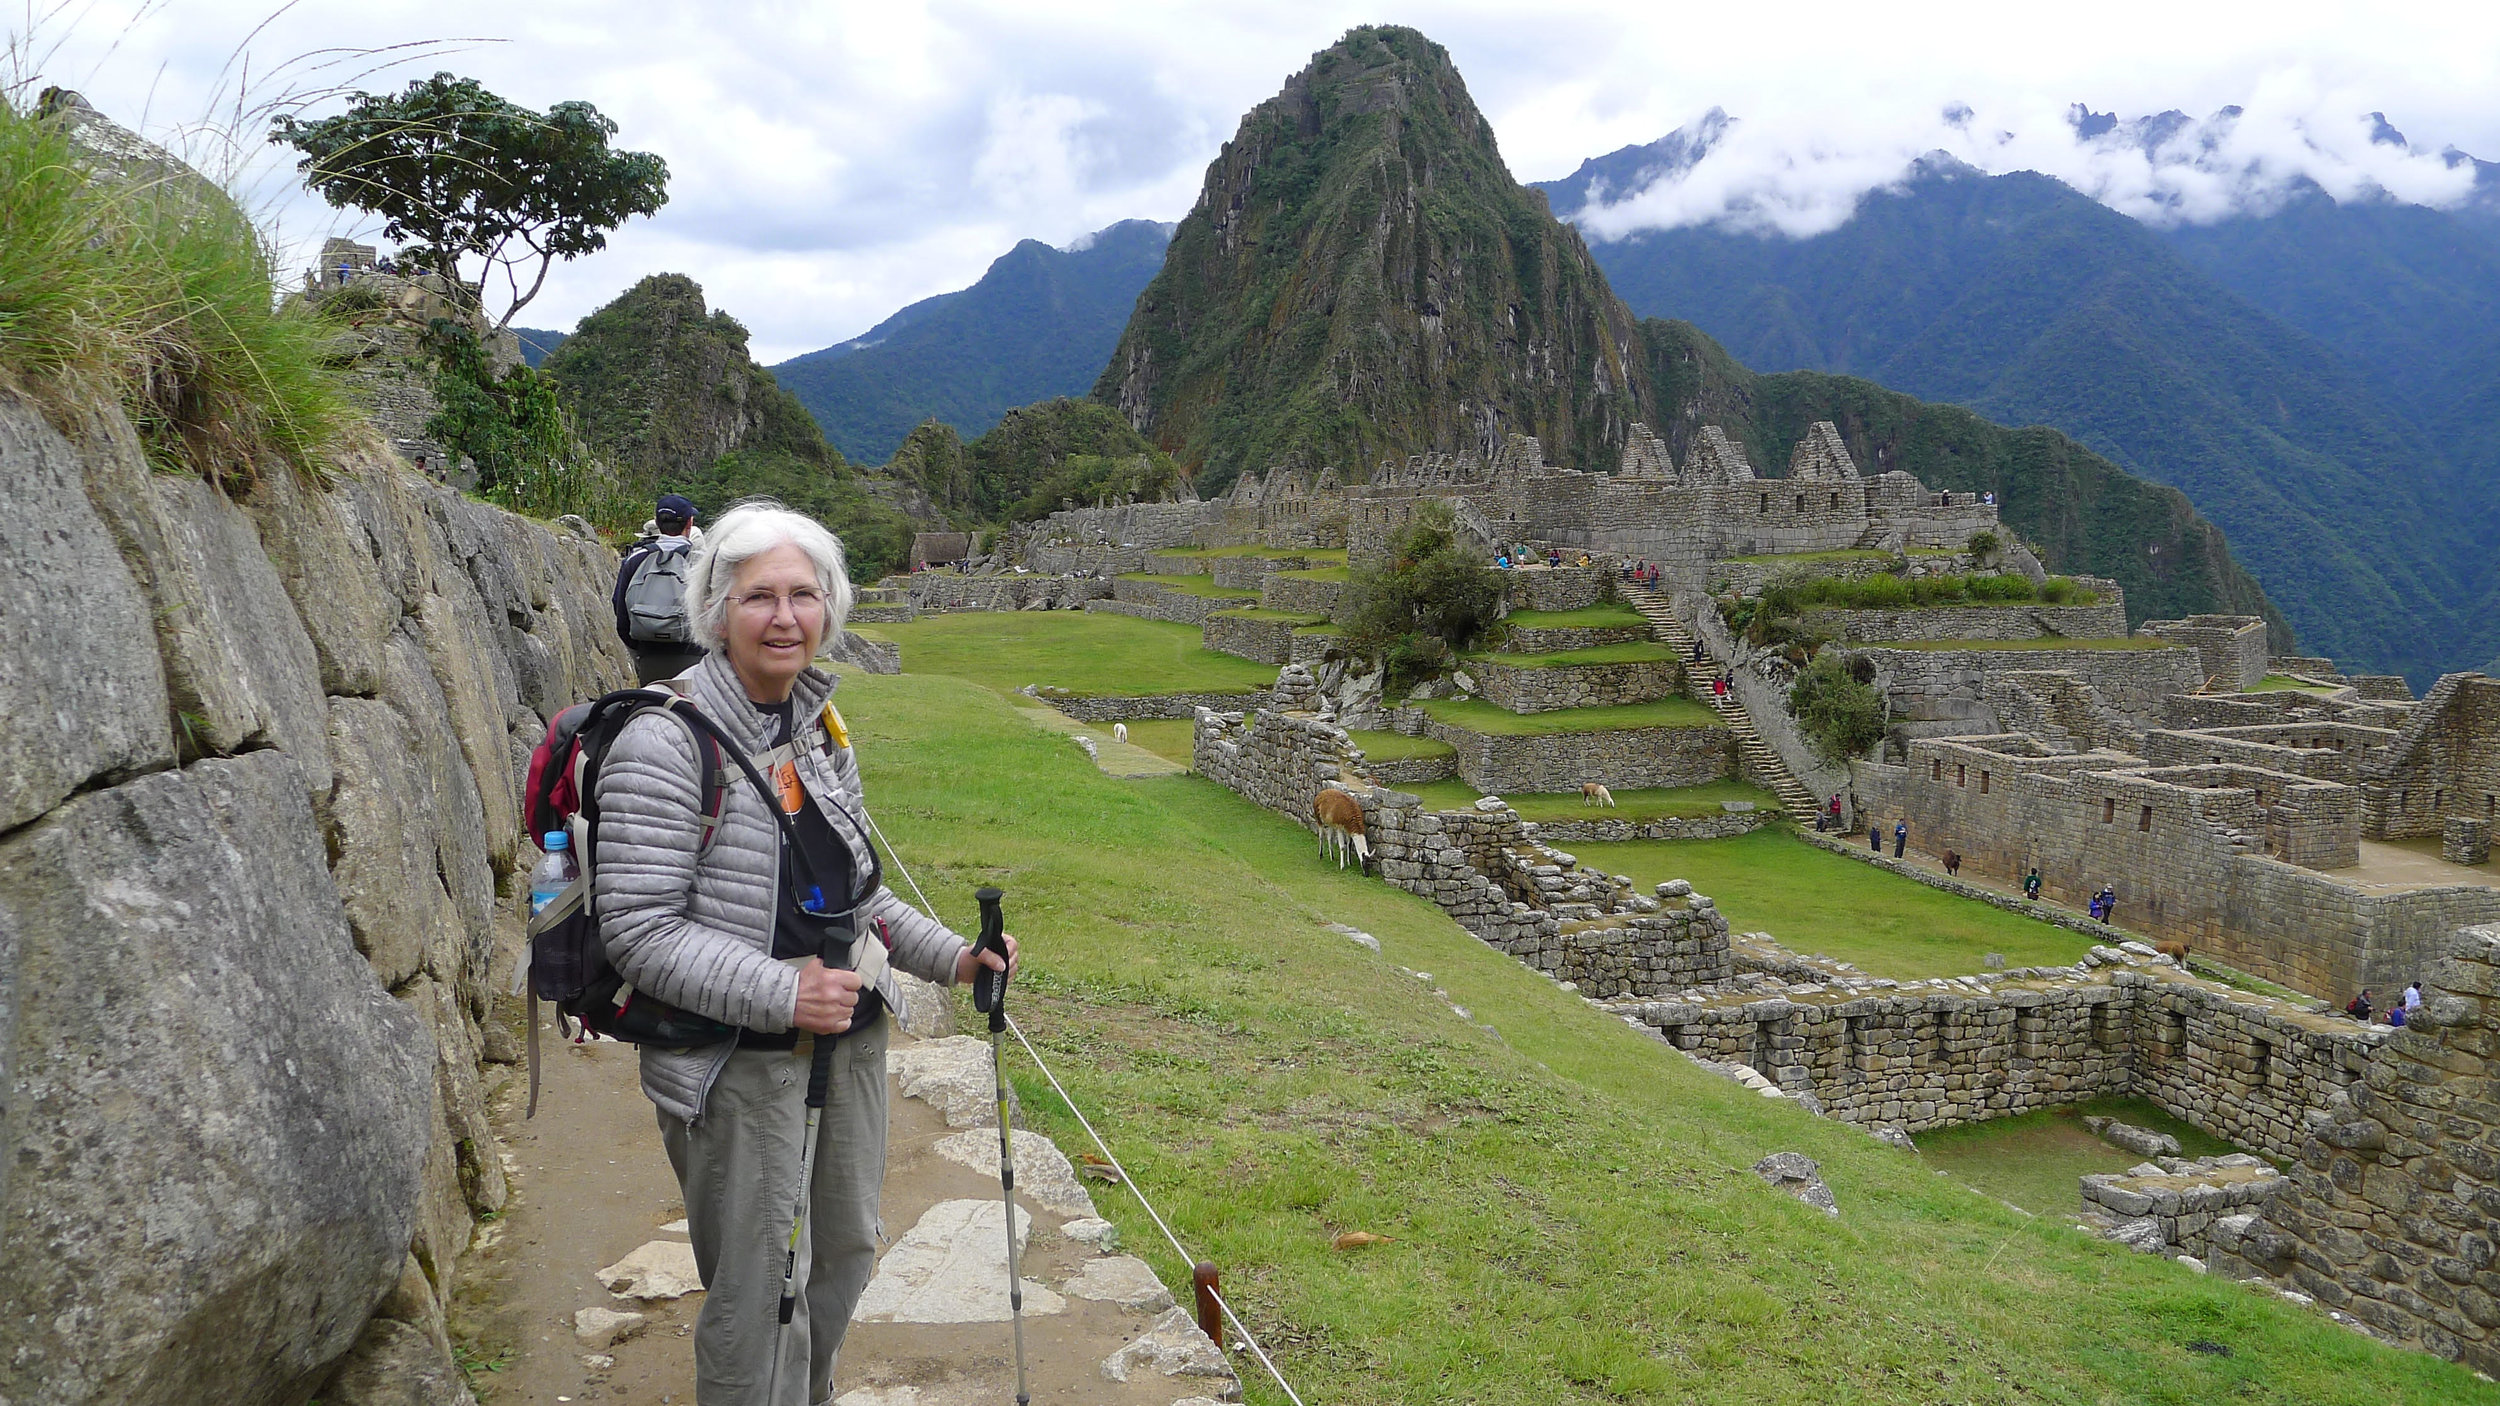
{"points": [[739, 1168]]}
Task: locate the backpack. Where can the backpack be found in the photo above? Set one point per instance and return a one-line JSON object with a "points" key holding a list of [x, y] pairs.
{"points": [[568, 962], [655, 597]]}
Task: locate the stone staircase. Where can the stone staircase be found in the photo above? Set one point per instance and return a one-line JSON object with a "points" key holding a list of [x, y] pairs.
{"points": [[1759, 760]]}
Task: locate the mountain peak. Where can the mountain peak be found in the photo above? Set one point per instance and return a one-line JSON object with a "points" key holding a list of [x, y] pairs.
{"points": [[1361, 277]]}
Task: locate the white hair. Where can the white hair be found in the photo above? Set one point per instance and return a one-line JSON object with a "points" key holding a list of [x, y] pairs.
{"points": [[745, 532]]}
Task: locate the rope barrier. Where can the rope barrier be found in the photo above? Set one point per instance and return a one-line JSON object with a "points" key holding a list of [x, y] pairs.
{"points": [[1247, 1337]]}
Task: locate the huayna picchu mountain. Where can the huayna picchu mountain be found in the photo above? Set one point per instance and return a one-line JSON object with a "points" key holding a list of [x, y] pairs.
{"points": [[1362, 279]]}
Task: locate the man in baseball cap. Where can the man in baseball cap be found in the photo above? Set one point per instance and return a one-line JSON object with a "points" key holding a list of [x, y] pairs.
{"points": [[650, 594]]}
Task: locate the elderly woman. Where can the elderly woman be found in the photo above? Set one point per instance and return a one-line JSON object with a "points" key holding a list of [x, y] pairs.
{"points": [[712, 927]]}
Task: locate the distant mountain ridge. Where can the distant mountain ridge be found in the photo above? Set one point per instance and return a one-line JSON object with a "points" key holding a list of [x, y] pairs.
{"points": [[2324, 381], [1039, 324], [1362, 278]]}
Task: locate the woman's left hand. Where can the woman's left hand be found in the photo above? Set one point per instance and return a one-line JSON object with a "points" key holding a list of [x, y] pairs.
{"points": [[974, 959]]}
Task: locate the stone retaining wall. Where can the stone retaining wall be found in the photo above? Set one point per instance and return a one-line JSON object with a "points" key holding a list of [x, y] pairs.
{"points": [[1103, 559], [1412, 771], [2231, 648], [1553, 688], [1129, 708], [2393, 1211], [1301, 593], [1557, 588], [1938, 1058], [1155, 601], [1724, 826], [1622, 759], [1554, 639], [1974, 622], [1263, 641], [936, 592], [2186, 1199], [1250, 573]]}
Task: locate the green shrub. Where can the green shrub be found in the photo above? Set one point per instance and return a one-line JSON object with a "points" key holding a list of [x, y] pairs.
{"points": [[2062, 590], [1984, 545], [1880, 592], [159, 293], [1841, 715], [1428, 599], [2005, 589]]}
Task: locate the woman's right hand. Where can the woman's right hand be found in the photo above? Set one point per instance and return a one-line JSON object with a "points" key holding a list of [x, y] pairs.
{"points": [[827, 997]]}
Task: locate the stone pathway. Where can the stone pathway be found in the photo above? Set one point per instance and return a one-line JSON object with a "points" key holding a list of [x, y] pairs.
{"points": [[1115, 758], [589, 1271]]}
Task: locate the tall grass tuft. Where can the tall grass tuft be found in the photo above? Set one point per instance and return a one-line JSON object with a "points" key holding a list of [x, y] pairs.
{"points": [[154, 288]]}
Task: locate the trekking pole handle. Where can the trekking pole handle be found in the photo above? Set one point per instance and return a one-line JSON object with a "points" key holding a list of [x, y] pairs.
{"points": [[989, 987]]}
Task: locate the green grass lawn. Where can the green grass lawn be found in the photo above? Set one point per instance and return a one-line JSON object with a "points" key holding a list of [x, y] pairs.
{"points": [[1815, 901], [1321, 573], [1573, 1216], [1629, 652], [1191, 585], [1476, 715], [1081, 651], [2046, 642], [2035, 1159], [1398, 747], [1646, 803], [1165, 737], [1595, 617]]}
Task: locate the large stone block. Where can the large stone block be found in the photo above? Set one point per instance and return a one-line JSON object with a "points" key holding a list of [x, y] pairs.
{"points": [[313, 544], [216, 1114], [387, 837], [78, 659], [442, 808], [240, 671]]}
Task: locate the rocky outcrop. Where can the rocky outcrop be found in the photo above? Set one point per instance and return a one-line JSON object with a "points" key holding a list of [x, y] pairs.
{"points": [[258, 802]]}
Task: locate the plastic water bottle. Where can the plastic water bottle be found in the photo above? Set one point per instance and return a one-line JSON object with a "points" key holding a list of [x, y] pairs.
{"points": [[555, 873]]}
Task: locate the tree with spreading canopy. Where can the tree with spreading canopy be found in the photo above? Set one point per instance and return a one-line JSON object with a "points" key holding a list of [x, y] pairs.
{"points": [[457, 173]]}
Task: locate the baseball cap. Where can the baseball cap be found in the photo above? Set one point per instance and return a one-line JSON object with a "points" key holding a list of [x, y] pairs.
{"points": [[676, 505]]}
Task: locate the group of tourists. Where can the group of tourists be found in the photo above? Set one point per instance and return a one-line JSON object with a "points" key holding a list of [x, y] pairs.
{"points": [[1900, 838], [2399, 1012], [2104, 903], [701, 908], [1638, 573]]}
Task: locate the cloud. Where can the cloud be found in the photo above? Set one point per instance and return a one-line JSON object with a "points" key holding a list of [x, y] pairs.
{"points": [[834, 161], [1778, 177]]}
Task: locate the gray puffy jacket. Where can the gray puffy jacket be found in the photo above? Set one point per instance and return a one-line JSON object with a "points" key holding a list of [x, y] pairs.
{"points": [[696, 929]]}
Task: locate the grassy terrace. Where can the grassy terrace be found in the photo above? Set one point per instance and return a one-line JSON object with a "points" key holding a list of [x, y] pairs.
{"points": [[1595, 617], [1476, 715], [1398, 747], [1574, 1222], [1321, 573], [1811, 558], [1816, 901], [1081, 651], [1649, 803], [1631, 652], [2130, 642], [2034, 1159], [1191, 586]]}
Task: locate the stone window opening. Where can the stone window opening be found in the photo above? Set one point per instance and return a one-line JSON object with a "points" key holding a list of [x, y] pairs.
{"points": [[1761, 1059], [1961, 774], [2174, 1032], [1835, 502], [2104, 1028], [1801, 504], [1673, 1035], [1766, 503], [2144, 818], [2109, 811], [2265, 1064], [1983, 782], [1936, 1055], [1935, 770]]}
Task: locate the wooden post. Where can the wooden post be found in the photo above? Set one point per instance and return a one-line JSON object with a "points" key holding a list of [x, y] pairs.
{"points": [[1210, 1313]]}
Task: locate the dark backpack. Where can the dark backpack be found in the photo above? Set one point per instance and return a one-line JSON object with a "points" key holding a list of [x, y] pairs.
{"points": [[655, 597]]}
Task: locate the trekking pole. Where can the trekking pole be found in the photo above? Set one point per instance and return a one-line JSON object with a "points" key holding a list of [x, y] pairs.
{"points": [[989, 995], [819, 1075]]}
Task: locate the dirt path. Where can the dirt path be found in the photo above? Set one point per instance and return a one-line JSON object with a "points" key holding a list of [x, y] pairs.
{"points": [[591, 1185]]}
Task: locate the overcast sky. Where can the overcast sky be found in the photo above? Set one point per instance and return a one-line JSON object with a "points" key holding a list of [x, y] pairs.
{"points": [[834, 161]]}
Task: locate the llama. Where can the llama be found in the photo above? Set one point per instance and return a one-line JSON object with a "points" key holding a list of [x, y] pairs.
{"points": [[1340, 818], [1119, 732], [1594, 793]]}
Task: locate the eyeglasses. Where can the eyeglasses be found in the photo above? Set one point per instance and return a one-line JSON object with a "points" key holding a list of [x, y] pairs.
{"points": [[804, 602]]}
